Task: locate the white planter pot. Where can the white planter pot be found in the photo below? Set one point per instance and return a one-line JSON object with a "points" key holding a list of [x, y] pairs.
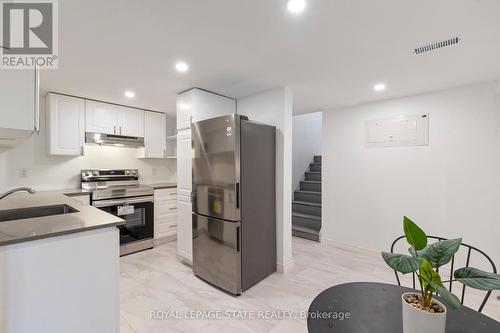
{"points": [[418, 321]]}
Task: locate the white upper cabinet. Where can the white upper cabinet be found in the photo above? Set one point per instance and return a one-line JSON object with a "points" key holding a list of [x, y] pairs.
{"points": [[130, 122], [113, 119], [65, 124], [18, 103], [209, 105], [100, 117], [196, 104], [185, 104], [155, 139]]}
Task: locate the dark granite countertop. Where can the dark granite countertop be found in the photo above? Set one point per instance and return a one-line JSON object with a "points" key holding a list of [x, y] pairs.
{"points": [[87, 217]]}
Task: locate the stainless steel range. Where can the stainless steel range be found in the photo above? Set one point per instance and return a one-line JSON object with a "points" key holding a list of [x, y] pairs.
{"points": [[117, 191]]}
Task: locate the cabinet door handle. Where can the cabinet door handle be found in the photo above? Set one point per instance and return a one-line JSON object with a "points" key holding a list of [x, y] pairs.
{"points": [[114, 129], [172, 208], [120, 129], [173, 226], [37, 100]]}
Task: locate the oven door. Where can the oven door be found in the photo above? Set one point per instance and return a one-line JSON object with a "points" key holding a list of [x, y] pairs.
{"points": [[138, 214]]}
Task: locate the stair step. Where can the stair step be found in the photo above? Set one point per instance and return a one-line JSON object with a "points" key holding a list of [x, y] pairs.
{"points": [[306, 203], [306, 207], [310, 185], [307, 216], [304, 232], [308, 196], [317, 159], [314, 176], [315, 167]]}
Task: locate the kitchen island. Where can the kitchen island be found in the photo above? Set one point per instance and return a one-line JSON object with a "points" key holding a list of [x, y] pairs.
{"points": [[58, 273]]}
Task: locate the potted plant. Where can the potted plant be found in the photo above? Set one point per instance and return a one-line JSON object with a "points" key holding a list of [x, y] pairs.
{"points": [[421, 312]]}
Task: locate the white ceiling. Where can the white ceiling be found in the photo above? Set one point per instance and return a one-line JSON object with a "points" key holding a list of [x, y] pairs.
{"points": [[331, 55]]}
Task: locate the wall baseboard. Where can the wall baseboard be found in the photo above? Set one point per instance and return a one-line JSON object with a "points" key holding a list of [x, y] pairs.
{"points": [[165, 240], [285, 268], [184, 258], [346, 246]]}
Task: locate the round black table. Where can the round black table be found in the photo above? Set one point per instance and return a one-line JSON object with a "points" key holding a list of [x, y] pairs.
{"points": [[367, 307]]}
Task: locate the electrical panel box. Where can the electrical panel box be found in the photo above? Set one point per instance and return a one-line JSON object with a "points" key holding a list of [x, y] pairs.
{"points": [[398, 131]]}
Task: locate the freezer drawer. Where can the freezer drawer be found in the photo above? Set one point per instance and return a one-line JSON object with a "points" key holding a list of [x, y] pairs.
{"points": [[216, 252]]}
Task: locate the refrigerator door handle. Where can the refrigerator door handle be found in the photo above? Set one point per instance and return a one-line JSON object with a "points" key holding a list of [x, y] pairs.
{"points": [[237, 195], [237, 239]]}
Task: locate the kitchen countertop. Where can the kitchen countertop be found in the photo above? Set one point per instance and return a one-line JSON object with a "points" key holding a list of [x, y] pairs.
{"points": [[87, 217], [71, 192], [158, 186]]}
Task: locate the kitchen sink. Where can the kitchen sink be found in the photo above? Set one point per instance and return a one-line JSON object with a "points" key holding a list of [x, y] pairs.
{"points": [[32, 212]]}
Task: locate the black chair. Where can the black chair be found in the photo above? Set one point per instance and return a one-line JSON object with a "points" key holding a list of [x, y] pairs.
{"points": [[470, 249]]}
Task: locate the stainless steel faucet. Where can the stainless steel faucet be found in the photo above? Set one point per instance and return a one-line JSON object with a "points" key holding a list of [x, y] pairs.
{"points": [[17, 189]]}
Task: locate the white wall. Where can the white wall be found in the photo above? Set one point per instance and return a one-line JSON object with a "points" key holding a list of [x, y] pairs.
{"points": [[306, 143], [274, 107], [451, 187], [46, 172]]}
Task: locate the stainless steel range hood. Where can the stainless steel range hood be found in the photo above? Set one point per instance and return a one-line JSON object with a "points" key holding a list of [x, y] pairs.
{"points": [[114, 140]]}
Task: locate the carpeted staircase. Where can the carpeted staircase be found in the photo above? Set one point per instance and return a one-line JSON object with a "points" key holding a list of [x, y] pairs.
{"points": [[306, 206]]}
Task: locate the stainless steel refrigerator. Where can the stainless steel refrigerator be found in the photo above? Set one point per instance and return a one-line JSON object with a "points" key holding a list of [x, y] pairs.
{"points": [[234, 201]]}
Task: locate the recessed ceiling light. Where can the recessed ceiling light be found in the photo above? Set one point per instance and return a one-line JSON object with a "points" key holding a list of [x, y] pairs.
{"points": [[296, 6], [379, 87], [129, 94], [181, 67]]}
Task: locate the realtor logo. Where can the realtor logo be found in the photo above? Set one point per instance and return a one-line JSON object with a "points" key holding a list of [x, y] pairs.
{"points": [[29, 34]]}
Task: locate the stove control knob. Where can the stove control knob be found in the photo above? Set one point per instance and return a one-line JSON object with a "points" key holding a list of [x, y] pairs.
{"points": [[95, 173], [88, 174], [134, 172], [127, 172]]}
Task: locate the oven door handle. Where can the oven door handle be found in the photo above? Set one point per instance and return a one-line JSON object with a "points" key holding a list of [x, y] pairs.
{"points": [[120, 202]]}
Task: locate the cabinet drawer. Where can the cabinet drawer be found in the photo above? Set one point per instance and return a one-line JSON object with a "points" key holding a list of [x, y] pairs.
{"points": [[166, 203], [164, 230], [172, 219], [162, 210], [167, 194], [169, 220]]}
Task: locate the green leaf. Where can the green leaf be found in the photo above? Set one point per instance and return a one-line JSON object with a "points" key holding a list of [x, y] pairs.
{"points": [[447, 296], [429, 276], [402, 263], [440, 253], [415, 236], [478, 279]]}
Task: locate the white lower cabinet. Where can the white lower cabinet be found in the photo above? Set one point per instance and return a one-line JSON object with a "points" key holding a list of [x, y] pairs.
{"points": [[184, 229], [184, 219], [165, 213], [49, 285]]}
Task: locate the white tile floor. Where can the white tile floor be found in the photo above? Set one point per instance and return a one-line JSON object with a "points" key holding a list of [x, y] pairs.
{"points": [[155, 281]]}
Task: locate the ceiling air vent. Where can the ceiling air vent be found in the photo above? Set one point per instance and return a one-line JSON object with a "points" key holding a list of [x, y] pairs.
{"points": [[438, 45]]}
